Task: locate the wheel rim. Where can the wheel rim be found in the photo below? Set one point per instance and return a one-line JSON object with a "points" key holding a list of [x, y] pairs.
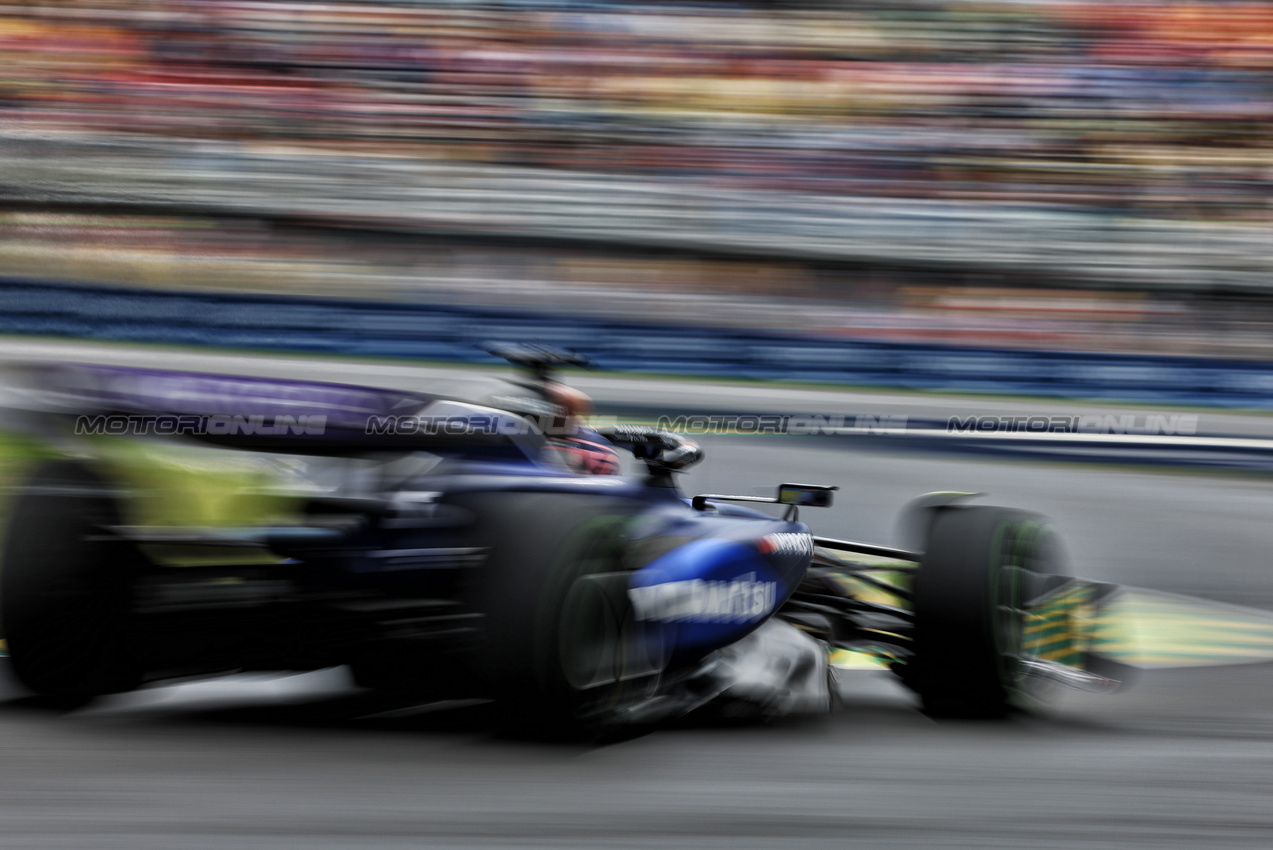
{"points": [[1010, 623], [1023, 558], [589, 640]]}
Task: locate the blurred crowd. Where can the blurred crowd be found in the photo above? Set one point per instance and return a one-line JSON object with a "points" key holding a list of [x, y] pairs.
{"points": [[666, 289], [954, 171], [1137, 107]]}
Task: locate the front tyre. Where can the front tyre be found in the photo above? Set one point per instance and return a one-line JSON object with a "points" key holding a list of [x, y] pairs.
{"points": [[980, 568]]}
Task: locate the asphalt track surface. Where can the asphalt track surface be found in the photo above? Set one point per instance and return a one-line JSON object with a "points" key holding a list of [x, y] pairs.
{"points": [[1181, 759]]}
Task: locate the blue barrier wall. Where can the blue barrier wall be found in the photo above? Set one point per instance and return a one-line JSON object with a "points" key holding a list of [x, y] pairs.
{"points": [[443, 332]]}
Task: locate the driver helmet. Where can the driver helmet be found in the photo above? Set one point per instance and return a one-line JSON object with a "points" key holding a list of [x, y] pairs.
{"points": [[583, 449]]}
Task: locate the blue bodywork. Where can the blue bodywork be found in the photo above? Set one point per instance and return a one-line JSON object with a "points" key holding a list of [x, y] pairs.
{"points": [[719, 573], [715, 575], [721, 584]]}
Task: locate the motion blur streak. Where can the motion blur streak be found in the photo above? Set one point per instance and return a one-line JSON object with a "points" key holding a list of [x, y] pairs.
{"points": [[987, 181], [1148, 108], [1145, 628], [938, 170], [1180, 760]]}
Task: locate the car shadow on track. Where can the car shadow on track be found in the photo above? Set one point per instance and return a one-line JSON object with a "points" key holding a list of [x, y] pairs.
{"points": [[328, 700]]}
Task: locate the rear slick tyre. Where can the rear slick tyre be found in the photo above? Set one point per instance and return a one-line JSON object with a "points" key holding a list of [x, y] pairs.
{"points": [[559, 631], [66, 587]]}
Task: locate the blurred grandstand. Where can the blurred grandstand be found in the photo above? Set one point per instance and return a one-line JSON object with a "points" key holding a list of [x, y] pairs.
{"points": [[1083, 175]]}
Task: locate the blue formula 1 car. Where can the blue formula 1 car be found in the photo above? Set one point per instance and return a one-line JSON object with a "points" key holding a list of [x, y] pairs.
{"points": [[172, 524]]}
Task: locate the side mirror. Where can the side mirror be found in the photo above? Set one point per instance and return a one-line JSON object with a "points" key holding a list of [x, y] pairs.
{"points": [[806, 495], [794, 496]]}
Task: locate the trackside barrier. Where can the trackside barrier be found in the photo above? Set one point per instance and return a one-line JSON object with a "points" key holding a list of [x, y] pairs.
{"points": [[445, 332]]}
